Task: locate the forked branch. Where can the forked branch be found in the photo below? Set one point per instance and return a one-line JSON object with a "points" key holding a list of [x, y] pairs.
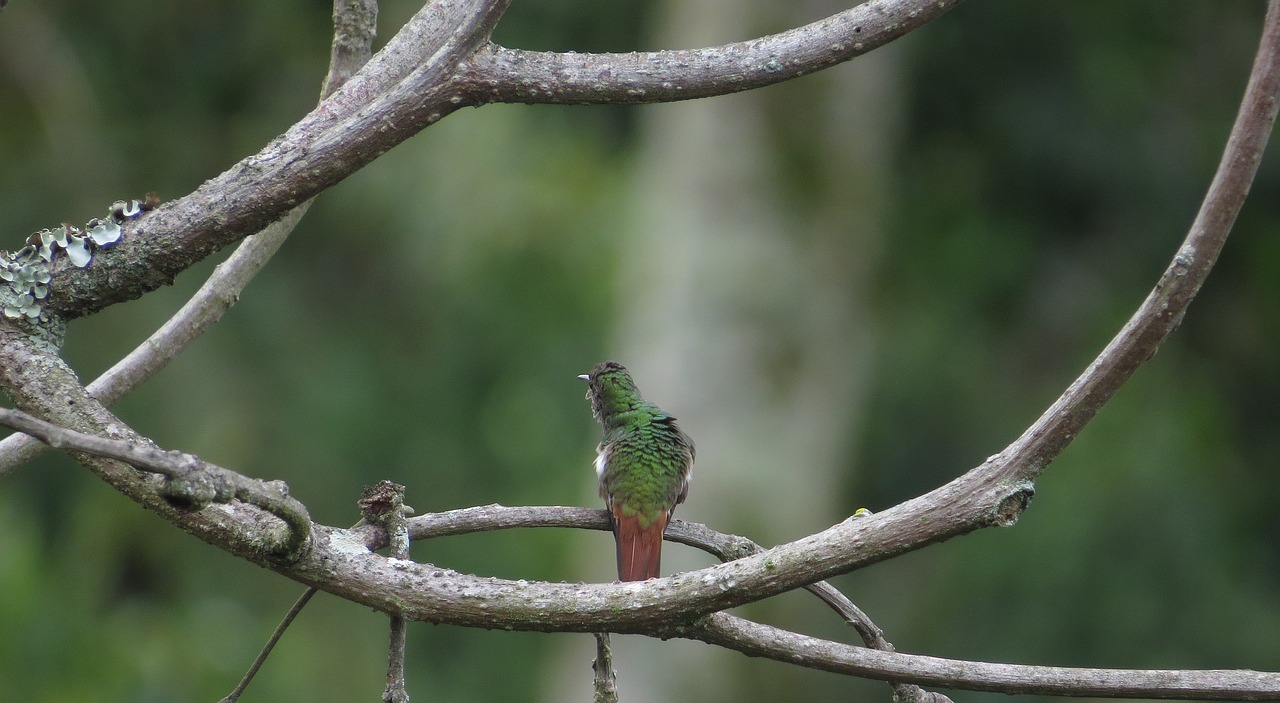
{"points": [[408, 91]]}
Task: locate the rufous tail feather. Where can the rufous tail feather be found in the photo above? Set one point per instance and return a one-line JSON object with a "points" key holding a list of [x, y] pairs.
{"points": [[639, 548]]}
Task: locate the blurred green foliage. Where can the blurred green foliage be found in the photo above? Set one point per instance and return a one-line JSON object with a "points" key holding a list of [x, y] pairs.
{"points": [[425, 322]]}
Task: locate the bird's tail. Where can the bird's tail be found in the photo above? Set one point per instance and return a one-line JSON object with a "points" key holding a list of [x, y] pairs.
{"points": [[639, 548]]}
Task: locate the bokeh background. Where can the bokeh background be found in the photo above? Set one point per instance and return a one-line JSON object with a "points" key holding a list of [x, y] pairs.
{"points": [[850, 288]]}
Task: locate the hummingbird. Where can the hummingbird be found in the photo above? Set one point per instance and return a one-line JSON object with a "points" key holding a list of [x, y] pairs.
{"points": [[643, 465]]}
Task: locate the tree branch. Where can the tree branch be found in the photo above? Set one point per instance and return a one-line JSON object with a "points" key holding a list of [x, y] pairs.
{"points": [[1162, 311], [310, 156], [42, 384], [190, 482], [354, 30], [342, 563], [403, 89], [754, 639], [498, 74], [197, 315], [439, 62], [725, 547]]}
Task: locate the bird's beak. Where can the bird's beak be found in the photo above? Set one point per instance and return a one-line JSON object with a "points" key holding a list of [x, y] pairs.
{"points": [[585, 377]]}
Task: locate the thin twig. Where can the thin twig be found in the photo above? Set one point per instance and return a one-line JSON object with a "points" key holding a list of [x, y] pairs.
{"points": [[383, 504], [605, 679], [271, 644]]}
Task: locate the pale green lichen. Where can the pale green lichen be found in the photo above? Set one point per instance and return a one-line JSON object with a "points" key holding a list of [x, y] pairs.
{"points": [[26, 273]]}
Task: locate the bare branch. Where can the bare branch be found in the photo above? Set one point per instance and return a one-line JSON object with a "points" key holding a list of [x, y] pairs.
{"points": [[498, 74], [992, 494], [1162, 311], [724, 547], [439, 62], [352, 45], [383, 504], [605, 680], [435, 594], [404, 88], [755, 639], [191, 482], [197, 315], [276, 634], [355, 25], [761, 640], [473, 594]]}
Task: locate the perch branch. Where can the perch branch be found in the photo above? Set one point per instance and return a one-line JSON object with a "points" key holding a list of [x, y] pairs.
{"points": [[590, 607], [344, 553], [724, 547], [992, 494]]}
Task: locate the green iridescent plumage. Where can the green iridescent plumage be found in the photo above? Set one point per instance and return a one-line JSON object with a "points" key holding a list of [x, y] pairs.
{"points": [[643, 464]]}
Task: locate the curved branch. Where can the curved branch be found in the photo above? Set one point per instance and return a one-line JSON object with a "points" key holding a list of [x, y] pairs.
{"points": [[42, 384], [197, 315], [490, 603], [498, 74], [439, 62], [459, 591], [354, 24], [754, 639], [992, 494], [403, 89], [1163, 309], [725, 547], [190, 482]]}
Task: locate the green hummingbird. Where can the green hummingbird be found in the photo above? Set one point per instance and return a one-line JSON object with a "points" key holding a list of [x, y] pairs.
{"points": [[643, 464]]}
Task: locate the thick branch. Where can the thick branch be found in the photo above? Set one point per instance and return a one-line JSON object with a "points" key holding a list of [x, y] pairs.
{"points": [[346, 554], [439, 62], [354, 25], [403, 89], [992, 494], [498, 74], [190, 482], [43, 385]]}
